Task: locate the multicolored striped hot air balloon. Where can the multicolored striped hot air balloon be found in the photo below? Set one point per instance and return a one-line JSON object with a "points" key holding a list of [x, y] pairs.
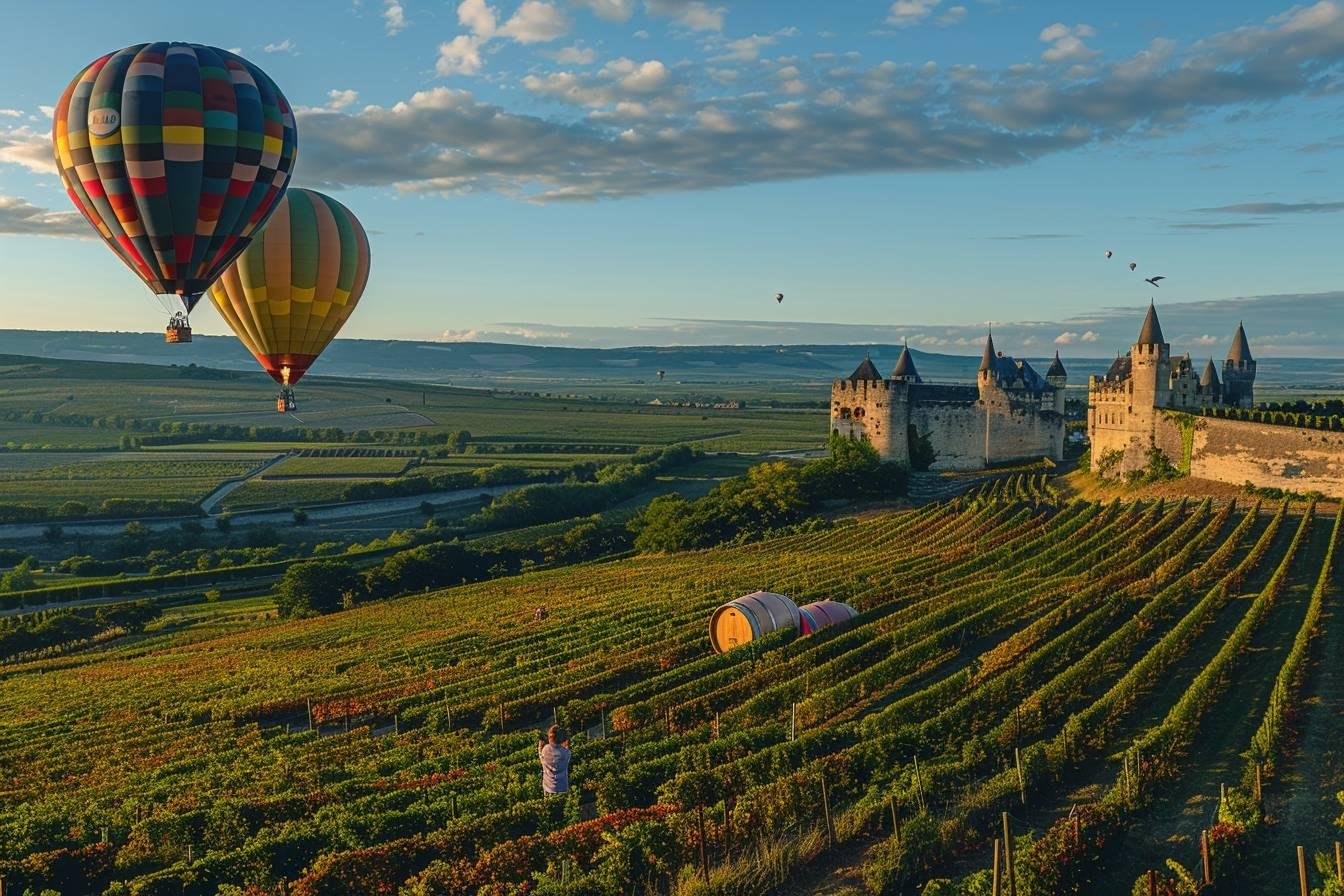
{"points": [[293, 288], [177, 154]]}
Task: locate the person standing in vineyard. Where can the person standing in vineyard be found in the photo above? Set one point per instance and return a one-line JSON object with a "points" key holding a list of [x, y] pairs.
{"points": [[554, 753]]}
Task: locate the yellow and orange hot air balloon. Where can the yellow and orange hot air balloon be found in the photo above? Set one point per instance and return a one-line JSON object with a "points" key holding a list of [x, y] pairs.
{"points": [[292, 289]]}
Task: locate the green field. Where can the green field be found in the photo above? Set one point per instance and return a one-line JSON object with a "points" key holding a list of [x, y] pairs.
{"points": [[158, 396], [1128, 658], [359, 467], [50, 479]]}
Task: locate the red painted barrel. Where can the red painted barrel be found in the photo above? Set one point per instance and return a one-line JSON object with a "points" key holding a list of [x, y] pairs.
{"points": [[815, 616], [749, 617]]}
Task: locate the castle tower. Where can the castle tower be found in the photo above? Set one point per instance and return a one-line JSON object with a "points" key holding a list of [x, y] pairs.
{"points": [[865, 406], [1239, 372], [988, 375], [1209, 387], [1150, 358], [1058, 377], [904, 371]]}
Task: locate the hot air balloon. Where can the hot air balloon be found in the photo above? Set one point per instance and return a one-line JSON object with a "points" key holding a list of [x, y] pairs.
{"points": [[177, 154], [1108, 253], [292, 289], [1132, 265], [779, 297]]}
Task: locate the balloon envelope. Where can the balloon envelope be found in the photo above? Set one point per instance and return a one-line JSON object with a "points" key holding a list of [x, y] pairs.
{"points": [[176, 153], [292, 289]]}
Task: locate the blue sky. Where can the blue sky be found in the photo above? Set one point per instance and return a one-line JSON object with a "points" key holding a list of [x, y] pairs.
{"points": [[618, 171]]}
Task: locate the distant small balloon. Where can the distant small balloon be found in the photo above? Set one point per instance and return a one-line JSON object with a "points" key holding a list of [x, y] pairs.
{"points": [[779, 297], [1132, 265], [1108, 253]]}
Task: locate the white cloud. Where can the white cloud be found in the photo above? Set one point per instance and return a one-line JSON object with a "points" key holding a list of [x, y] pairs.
{"points": [[48, 111], [477, 16], [21, 218], [575, 55], [285, 46], [745, 49], [536, 22], [340, 99], [394, 17], [611, 10], [28, 148], [693, 14], [459, 56], [885, 118], [954, 15], [11, 113], [908, 13], [1068, 337], [1066, 44]]}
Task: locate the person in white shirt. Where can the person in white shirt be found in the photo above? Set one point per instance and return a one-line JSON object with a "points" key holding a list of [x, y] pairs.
{"points": [[554, 753]]}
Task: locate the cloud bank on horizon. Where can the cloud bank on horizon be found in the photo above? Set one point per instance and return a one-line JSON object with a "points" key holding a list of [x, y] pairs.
{"points": [[1303, 326]]}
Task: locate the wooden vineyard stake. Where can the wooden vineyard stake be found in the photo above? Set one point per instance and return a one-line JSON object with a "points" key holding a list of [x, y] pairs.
{"points": [[826, 810], [1152, 883], [793, 723], [895, 819], [1204, 855], [1021, 781], [704, 857], [396, 723], [994, 879], [501, 718], [555, 715], [919, 784], [1302, 870], [604, 724], [1222, 796], [310, 715], [1259, 792], [1008, 856], [1339, 864]]}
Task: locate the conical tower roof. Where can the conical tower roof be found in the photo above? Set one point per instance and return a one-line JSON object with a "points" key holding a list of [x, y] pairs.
{"points": [[865, 372], [1151, 334], [1210, 377], [987, 359], [1241, 349], [1056, 368], [905, 365]]}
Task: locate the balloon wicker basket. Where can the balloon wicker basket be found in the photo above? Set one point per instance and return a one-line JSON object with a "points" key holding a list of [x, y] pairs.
{"points": [[284, 402], [177, 334]]}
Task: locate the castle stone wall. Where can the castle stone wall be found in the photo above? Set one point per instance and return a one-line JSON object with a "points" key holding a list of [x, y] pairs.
{"points": [[956, 431], [1238, 451]]}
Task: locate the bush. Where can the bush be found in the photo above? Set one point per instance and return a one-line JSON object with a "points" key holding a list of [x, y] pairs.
{"points": [[318, 586]]}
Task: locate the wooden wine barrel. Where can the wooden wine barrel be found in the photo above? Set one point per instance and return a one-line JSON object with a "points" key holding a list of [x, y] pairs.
{"points": [[818, 615], [751, 616]]}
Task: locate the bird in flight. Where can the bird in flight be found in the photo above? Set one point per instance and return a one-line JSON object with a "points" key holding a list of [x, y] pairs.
{"points": [[1153, 280]]}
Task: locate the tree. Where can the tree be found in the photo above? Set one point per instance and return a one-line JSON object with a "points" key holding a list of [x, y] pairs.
{"points": [[20, 578], [317, 586]]}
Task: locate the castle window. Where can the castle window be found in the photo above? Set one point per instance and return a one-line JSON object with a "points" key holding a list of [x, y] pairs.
{"points": [[858, 413], [844, 413]]}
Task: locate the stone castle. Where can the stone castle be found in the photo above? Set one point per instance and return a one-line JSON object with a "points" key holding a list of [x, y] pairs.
{"points": [[1012, 413], [1125, 406]]}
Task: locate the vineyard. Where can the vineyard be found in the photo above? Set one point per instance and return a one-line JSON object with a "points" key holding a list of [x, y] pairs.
{"points": [[1083, 673]]}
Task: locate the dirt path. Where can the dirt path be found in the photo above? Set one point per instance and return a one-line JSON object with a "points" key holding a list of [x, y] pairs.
{"points": [[1171, 828], [1301, 800]]}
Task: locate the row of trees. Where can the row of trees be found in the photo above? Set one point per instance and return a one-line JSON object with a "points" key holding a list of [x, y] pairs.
{"points": [[1301, 419], [53, 628], [770, 497]]}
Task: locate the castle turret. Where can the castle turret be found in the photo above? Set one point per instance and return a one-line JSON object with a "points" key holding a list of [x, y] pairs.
{"points": [[865, 372], [989, 363], [1058, 377], [1239, 372], [1209, 387], [904, 371], [1150, 359]]}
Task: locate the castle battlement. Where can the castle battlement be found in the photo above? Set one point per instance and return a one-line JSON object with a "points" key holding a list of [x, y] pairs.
{"points": [[1012, 413], [1127, 403]]}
